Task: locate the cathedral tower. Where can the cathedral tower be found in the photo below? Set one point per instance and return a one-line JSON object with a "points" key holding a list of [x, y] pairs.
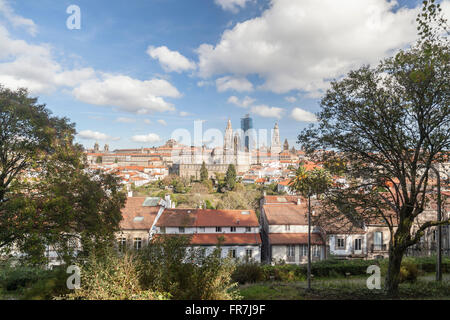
{"points": [[275, 147]]}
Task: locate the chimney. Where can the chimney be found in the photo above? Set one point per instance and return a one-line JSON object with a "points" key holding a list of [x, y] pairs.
{"points": [[168, 203]]}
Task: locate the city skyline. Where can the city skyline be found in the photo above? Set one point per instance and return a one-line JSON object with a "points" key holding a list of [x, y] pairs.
{"points": [[135, 72]]}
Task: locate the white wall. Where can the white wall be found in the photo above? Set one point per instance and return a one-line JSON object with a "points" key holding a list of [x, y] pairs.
{"points": [[279, 252], [292, 229], [240, 251], [192, 230], [349, 244]]}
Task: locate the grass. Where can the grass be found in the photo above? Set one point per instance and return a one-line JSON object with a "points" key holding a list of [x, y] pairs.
{"points": [[351, 288]]}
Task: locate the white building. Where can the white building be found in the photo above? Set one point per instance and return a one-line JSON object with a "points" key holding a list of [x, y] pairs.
{"points": [[236, 230], [284, 223]]}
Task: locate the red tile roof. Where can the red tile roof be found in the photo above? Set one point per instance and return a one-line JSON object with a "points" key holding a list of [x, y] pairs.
{"points": [[283, 199], [228, 239], [286, 214], [133, 208], [295, 238], [207, 218]]}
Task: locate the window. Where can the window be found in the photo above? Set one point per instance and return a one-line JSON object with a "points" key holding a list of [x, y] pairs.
{"points": [[202, 229], [378, 238], [248, 254], [303, 250], [218, 229], [290, 252], [162, 229], [287, 227], [248, 229], [340, 243], [232, 253], [122, 243], [137, 243], [233, 229], [181, 229], [316, 251], [358, 244]]}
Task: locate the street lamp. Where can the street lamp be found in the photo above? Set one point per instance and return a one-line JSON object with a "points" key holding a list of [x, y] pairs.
{"points": [[309, 240], [439, 227]]}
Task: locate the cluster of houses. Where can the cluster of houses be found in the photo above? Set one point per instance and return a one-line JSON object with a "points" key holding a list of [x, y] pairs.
{"points": [[279, 234]]}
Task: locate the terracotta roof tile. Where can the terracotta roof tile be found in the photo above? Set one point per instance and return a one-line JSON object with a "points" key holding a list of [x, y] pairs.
{"points": [[229, 239], [295, 238], [207, 218], [286, 214], [283, 199], [133, 211]]}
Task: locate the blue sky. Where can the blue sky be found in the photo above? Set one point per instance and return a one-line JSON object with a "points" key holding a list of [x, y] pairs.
{"points": [[137, 70]]}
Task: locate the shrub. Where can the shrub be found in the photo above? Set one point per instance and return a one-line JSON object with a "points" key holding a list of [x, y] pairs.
{"points": [[168, 266], [248, 272], [408, 271], [20, 277], [112, 277], [54, 284]]}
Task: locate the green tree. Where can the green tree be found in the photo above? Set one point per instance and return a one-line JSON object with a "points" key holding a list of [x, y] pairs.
{"points": [[203, 172], [230, 177], [47, 197], [307, 183], [390, 124]]}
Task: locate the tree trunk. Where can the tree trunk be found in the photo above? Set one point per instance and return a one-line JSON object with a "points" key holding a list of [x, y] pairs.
{"points": [[393, 273]]}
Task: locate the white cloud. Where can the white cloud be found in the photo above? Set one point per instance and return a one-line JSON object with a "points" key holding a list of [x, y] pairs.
{"points": [[290, 99], [33, 66], [300, 45], [125, 120], [15, 20], [170, 60], [149, 138], [184, 114], [303, 115], [128, 94], [203, 83], [147, 121], [163, 122], [243, 103], [239, 84], [267, 112], [232, 5], [95, 135]]}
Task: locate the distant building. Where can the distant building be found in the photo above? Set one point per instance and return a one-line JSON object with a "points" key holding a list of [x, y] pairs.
{"points": [[275, 147], [246, 126], [284, 231]]}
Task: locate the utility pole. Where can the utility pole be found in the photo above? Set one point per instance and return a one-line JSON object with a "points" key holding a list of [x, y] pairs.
{"points": [[439, 227], [309, 240]]}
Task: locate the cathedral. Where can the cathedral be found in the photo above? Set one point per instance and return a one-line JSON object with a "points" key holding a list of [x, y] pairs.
{"points": [[189, 160]]}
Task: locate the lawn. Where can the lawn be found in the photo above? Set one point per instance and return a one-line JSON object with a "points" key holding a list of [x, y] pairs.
{"points": [[351, 288]]}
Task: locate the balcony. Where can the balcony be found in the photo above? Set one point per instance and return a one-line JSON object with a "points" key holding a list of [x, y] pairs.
{"points": [[378, 247]]}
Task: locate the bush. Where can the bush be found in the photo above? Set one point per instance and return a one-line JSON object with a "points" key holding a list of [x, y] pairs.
{"points": [[112, 277], [408, 271], [186, 274], [48, 287], [20, 277], [248, 272]]}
